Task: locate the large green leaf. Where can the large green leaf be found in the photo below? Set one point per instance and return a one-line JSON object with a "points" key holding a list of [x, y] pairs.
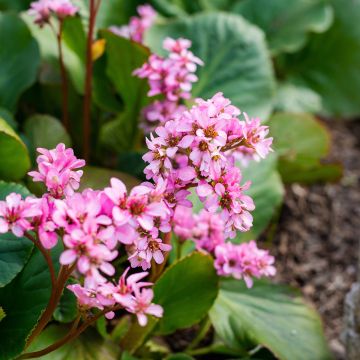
{"points": [[236, 58], [66, 310], [270, 315], [14, 157], [14, 251], [8, 117], [123, 57], [45, 131], [287, 22], [267, 192], [319, 63], [23, 301], [302, 143], [186, 291], [88, 346], [14, 4], [19, 59]]}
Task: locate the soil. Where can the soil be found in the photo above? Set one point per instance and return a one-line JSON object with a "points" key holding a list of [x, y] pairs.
{"points": [[317, 240]]}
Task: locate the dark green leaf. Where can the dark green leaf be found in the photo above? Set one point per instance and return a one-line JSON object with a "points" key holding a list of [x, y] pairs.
{"points": [[186, 291], [66, 310], [2, 313], [236, 58], [302, 143], [8, 117], [45, 131], [23, 301], [270, 315], [179, 356], [88, 346], [267, 192], [14, 157], [286, 23], [19, 59]]}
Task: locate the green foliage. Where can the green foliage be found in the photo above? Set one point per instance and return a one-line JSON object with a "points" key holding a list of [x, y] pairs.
{"points": [[317, 66], [14, 251], [287, 22], [270, 315], [14, 157], [8, 117], [66, 310], [267, 192], [23, 301], [45, 131], [186, 291], [302, 143], [88, 346], [19, 59], [2, 313], [235, 55]]}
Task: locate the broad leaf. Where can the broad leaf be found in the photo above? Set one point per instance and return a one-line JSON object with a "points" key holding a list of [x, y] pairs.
{"points": [[45, 131], [286, 23], [19, 59], [302, 144], [267, 192], [8, 117], [14, 157], [186, 291], [88, 346], [14, 4], [14, 251], [317, 66], [235, 55], [97, 178], [269, 315], [66, 310], [23, 301]]}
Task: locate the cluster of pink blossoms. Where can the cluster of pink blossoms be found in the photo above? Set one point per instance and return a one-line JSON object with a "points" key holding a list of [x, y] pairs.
{"points": [[42, 10], [171, 77], [241, 261], [198, 149], [137, 25]]}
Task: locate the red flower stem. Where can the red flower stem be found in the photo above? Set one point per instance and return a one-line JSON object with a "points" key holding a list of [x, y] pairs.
{"points": [[88, 82], [74, 333]]}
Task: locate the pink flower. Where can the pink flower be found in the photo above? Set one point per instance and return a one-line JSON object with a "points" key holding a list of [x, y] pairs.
{"points": [[243, 261], [86, 297], [63, 8], [16, 214], [41, 11], [184, 223], [142, 305], [58, 170]]}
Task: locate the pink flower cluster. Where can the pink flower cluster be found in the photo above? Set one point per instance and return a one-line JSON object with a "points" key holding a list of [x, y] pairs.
{"points": [[137, 25], [171, 77], [197, 149], [42, 10]]}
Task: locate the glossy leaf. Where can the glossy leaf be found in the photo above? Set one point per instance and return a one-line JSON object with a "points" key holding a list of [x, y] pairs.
{"points": [[14, 157], [23, 301], [270, 315], [287, 23], [19, 59], [267, 192], [302, 143], [88, 346], [45, 131], [186, 291], [235, 55]]}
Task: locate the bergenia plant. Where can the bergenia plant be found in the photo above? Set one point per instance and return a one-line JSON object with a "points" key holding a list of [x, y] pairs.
{"points": [[116, 241]]}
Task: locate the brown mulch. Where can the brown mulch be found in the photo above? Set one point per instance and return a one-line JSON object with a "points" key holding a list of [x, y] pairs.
{"points": [[317, 240]]}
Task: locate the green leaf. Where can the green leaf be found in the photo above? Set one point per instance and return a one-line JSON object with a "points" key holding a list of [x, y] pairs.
{"points": [[236, 58], [19, 59], [14, 157], [123, 57], [24, 300], [340, 47], [186, 291], [97, 178], [8, 117], [179, 356], [45, 131], [269, 315], [286, 23], [14, 251], [66, 310], [2, 313], [88, 346], [267, 192], [14, 4], [302, 143], [296, 98]]}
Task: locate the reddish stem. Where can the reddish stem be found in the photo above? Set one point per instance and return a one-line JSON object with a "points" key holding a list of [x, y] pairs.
{"points": [[88, 81]]}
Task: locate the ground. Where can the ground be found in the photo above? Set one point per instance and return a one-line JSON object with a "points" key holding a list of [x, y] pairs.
{"points": [[317, 240]]}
